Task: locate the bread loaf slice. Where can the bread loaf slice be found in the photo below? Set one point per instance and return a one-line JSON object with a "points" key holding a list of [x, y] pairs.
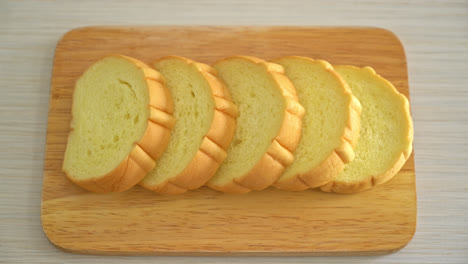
{"points": [[330, 126], [205, 124], [121, 122], [268, 126], [386, 136]]}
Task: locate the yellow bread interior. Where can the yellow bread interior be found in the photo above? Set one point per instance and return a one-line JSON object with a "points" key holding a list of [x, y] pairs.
{"points": [[110, 114], [326, 104], [386, 128], [193, 112], [261, 110]]}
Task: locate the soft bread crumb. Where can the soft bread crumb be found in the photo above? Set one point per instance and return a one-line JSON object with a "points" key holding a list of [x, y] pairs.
{"points": [[261, 109], [110, 113], [329, 115], [386, 132], [193, 112]]}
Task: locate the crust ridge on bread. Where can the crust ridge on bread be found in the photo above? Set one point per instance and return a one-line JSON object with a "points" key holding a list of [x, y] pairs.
{"points": [[212, 150], [141, 158]]}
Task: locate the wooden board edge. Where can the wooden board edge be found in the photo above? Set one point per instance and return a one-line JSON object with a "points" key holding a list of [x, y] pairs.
{"points": [[228, 253]]}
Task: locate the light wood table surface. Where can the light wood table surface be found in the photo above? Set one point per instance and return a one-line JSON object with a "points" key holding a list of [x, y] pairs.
{"points": [[435, 37]]}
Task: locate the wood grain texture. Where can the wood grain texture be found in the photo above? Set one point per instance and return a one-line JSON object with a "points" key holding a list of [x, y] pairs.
{"points": [[206, 222], [435, 37]]}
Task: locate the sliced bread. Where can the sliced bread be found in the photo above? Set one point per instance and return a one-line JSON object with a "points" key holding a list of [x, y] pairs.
{"points": [[205, 124], [330, 126], [121, 122], [386, 135], [268, 126]]}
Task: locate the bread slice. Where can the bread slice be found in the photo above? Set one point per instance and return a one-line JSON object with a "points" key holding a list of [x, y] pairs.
{"points": [[205, 125], [386, 136], [121, 122], [268, 127], [330, 126]]}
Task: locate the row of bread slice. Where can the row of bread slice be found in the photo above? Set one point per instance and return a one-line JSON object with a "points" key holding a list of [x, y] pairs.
{"points": [[243, 124]]}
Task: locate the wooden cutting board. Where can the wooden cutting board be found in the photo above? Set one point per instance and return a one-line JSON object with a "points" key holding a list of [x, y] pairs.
{"points": [[206, 222]]}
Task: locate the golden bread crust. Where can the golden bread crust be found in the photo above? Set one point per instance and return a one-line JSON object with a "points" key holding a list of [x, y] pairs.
{"points": [[212, 150], [148, 149], [371, 181], [331, 166], [279, 154]]}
